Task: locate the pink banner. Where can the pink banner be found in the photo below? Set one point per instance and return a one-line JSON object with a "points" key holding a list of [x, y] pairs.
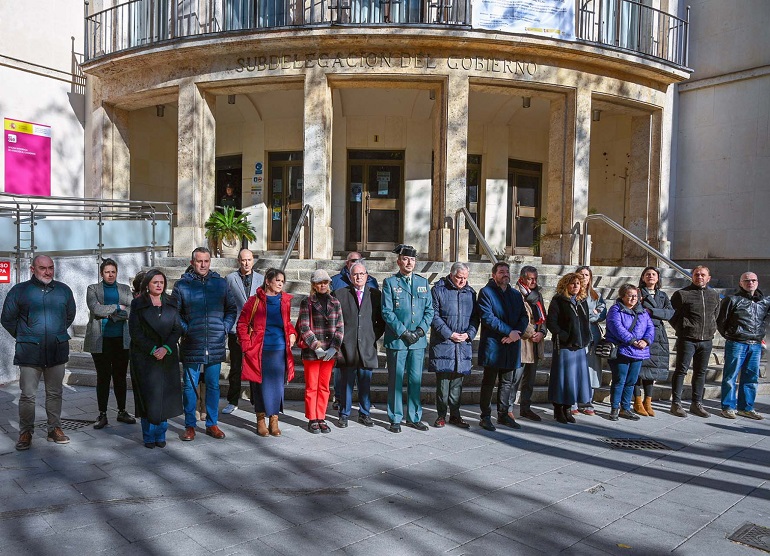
{"points": [[27, 158]]}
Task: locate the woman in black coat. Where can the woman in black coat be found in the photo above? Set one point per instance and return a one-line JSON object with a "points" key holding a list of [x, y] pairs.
{"points": [[659, 308], [567, 322], [155, 330]]}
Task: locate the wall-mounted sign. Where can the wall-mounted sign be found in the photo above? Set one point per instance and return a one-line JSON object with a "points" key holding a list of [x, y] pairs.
{"points": [[5, 272], [553, 18], [27, 158]]}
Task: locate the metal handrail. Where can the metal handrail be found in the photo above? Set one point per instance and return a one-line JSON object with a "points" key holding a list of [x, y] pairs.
{"points": [[306, 214], [28, 209], [585, 259], [466, 214]]}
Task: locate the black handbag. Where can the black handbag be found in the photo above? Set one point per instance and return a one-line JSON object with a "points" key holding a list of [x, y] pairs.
{"points": [[609, 350]]}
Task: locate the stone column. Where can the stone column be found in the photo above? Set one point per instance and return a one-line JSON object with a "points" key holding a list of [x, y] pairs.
{"points": [[196, 167], [638, 190], [110, 157], [569, 143], [450, 140], [317, 164]]}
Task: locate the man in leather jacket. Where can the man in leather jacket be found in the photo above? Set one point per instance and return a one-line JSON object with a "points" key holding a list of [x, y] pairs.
{"points": [[741, 321], [695, 320]]}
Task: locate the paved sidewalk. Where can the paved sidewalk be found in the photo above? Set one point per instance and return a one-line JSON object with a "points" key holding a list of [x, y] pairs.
{"points": [[543, 489]]}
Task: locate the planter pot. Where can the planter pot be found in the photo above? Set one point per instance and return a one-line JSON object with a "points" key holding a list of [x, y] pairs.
{"points": [[230, 250]]}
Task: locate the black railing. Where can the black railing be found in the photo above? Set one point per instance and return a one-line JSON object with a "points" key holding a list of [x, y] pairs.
{"points": [[632, 26], [624, 24], [138, 23]]}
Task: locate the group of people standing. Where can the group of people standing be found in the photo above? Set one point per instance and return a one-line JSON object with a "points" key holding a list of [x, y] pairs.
{"points": [[340, 326]]}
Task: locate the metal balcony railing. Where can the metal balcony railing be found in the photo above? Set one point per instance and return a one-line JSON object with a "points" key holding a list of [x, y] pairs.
{"points": [[624, 24], [630, 25]]}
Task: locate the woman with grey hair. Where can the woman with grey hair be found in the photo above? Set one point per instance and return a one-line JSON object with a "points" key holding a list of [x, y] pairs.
{"points": [[455, 323]]}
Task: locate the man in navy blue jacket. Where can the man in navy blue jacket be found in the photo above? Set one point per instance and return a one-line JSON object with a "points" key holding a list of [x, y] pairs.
{"points": [[503, 320], [37, 313], [207, 311]]}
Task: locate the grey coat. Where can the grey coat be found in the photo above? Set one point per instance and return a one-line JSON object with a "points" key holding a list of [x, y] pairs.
{"points": [[235, 285], [99, 311]]}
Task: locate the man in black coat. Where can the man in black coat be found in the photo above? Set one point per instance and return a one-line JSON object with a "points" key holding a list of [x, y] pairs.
{"points": [[695, 320], [364, 325], [37, 313]]}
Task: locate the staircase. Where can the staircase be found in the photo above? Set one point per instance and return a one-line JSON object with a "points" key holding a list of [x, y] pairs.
{"points": [[607, 280]]}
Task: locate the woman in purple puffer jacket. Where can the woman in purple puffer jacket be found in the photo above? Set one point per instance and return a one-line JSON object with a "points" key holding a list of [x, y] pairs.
{"points": [[631, 329]]}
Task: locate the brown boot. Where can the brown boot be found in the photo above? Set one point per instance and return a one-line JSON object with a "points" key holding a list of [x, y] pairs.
{"points": [[273, 426], [261, 428], [638, 407], [648, 407]]}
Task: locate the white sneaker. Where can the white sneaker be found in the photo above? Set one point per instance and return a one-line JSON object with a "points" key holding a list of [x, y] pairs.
{"points": [[751, 414], [229, 408], [728, 413]]}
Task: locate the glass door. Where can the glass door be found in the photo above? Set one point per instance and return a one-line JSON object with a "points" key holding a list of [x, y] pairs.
{"points": [[472, 192], [284, 196], [375, 186], [524, 182]]}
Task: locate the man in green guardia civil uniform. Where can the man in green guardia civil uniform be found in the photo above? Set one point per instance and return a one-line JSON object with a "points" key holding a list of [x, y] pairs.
{"points": [[407, 308]]}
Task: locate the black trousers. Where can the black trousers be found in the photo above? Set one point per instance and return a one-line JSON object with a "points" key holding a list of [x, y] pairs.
{"points": [[111, 365], [449, 390], [491, 375], [697, 353], [236, 366]]}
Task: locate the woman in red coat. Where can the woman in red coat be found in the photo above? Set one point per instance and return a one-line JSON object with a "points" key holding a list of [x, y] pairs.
{"points": [[267, 335]]}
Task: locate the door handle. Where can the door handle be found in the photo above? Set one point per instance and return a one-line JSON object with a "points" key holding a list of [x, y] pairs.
{"points": [[367, 203], [517, 214]]}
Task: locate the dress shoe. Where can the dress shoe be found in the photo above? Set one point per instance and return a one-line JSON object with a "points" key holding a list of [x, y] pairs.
{"points": [[458, 422], [161, 443], [365, 420], [677, 410], [439, 423], [313, 427], [529, 414], [395, 427], [125, 417], [419, 425], [25, 441], [590, 411], [342, 422], [697, 409], [324, 427], [628, 414], [215, 432], [486, 423], [506, 419], [101, 421], [58, 436], [189, 434], [149, 445], [272, 426]]}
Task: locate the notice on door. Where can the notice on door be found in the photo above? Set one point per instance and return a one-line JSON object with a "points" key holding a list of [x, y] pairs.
{"points": [[383, 183]]}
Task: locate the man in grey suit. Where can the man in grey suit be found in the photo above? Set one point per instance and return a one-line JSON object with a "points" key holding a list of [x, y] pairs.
{"points": [[243, 283], [364, 325]]}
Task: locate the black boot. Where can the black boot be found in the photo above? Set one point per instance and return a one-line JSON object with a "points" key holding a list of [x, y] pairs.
{"points": [[568, 413], [558, 413]]}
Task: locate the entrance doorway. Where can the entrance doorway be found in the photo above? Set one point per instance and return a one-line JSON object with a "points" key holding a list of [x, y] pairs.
{"points": [[524, 183], [284, 196], [228, 173], [375, 199], [472, 190]]}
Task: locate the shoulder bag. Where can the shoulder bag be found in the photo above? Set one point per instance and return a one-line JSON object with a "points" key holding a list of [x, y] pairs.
{"points": [[609, 350]]}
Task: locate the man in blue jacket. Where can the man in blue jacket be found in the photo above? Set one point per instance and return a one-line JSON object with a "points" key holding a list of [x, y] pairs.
{"points": [[503, 320], [37, 313], [407, 308], [207, 311]]}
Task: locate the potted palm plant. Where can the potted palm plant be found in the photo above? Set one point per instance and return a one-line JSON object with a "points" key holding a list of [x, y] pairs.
{"points": [[225, 228]]}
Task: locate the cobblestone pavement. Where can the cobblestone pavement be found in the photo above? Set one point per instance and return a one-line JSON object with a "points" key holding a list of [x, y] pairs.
{"points": [[542, 489]]}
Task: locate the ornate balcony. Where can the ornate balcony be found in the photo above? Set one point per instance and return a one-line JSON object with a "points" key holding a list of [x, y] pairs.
{"points": [[625, 25]]}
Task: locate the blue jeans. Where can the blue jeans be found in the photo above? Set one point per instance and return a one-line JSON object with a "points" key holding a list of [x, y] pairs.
{"points": [[625, 373], [192, 374], [740, 358], [153, 433], [348, 377]]}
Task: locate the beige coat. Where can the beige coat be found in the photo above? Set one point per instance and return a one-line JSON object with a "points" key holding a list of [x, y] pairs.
{"points": [[528, 347]]}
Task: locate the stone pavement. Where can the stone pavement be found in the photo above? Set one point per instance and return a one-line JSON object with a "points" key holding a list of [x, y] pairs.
{"points": [[543, 489]]}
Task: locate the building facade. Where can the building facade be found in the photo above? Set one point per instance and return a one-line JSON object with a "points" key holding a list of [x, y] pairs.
{"points": [[388, 118]]}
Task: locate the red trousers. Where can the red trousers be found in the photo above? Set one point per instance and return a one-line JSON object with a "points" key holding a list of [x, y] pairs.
{"points": [[317, 376]]}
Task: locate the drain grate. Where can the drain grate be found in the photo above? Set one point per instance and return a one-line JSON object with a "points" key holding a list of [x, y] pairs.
{"points": [[635, 444], [68, 424], [752, 535]]}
